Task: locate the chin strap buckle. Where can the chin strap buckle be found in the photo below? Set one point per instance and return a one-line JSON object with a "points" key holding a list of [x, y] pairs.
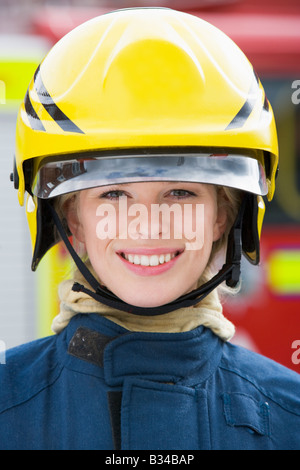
{"points": [[234, 255], [234, 246]]}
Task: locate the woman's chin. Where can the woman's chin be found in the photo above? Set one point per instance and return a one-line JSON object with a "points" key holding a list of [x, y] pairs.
{"points": [[153, 297], [150, 302]]}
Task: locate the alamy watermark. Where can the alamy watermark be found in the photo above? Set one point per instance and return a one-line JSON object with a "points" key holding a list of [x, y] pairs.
{"points": [[163, 221], [2, 92], [2, 352], [296, 353], [296, 93]]}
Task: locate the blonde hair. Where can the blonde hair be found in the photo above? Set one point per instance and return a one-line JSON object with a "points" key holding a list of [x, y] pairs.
{"points": [[227, 198], [230, 200]]}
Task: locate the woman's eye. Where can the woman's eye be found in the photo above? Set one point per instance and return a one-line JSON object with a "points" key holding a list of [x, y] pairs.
{"points": [[112, 195], [181, 193]]}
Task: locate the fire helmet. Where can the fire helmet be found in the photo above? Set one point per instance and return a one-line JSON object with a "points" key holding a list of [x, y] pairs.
{"points": [[144, 94]]}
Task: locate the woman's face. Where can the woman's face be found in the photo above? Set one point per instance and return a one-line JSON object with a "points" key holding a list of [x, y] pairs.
{"points": [[149, 243]]}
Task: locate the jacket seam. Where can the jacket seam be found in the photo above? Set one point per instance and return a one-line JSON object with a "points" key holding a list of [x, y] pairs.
{"points": [[34, 392], [260, 389]]}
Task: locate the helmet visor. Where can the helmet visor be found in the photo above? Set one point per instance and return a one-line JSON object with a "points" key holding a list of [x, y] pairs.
{"points": [[236, 171]]}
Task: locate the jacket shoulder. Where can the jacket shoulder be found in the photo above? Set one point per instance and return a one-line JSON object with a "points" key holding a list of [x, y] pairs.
{"points": [[27, 370], [274, 381]]}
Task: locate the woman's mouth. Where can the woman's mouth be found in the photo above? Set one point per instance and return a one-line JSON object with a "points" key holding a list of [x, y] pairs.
{"points": [[145, 260], [147, 263]]}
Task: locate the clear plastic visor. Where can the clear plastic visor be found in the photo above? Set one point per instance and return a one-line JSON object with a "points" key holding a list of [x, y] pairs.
{"points": [[65, 176]]}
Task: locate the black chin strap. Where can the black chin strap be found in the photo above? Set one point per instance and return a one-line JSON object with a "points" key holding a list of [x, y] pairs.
{"points": [[230, 273]]}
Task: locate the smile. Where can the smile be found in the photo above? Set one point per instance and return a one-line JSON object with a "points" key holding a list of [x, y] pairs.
{"points": [[149, 262], [145, 260]]}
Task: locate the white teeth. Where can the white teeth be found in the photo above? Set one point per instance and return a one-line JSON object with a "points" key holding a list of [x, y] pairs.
{"points": [[145, 260], [153, 260], [130, 258]]}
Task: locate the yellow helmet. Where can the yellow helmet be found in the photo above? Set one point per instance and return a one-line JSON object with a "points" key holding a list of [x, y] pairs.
{"points": [[132, 85]]}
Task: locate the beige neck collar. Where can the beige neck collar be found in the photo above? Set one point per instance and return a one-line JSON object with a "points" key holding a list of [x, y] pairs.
{"points": [[207, 313]]}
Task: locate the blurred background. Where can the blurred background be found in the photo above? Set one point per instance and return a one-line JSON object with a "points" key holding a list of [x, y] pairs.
{"points": [[267, 311]]}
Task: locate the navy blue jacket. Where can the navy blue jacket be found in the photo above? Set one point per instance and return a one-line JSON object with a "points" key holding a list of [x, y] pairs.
{"points": [[99, 386]]}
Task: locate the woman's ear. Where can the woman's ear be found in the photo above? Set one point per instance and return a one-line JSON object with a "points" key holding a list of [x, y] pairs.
{"points": [[71, 211]]}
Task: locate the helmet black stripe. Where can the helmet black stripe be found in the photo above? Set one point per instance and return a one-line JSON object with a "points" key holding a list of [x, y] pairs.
{"points": [[245, 111], [55, 112], [35, 122]]}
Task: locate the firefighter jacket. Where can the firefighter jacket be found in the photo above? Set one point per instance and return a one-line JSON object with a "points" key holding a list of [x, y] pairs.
{"points": [[97, 385]]}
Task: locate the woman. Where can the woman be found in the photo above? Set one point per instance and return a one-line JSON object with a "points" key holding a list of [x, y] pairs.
{"points": [[147, 136]]}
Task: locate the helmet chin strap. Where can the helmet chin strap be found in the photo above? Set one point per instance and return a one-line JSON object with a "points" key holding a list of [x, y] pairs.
{"points": [[230, 272]]}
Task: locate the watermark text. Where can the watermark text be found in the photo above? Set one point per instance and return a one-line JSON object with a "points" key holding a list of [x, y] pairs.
{"points": [[162, 221], [296, 93], [2, 92], [2, 352], [296, 353]]}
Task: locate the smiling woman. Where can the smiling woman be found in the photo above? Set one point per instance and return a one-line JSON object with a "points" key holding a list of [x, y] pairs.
{"points": [[129, 263], [146, 138]]}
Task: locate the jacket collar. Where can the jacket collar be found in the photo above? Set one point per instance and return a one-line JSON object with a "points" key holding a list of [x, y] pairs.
{"points": [[98, 346]]}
